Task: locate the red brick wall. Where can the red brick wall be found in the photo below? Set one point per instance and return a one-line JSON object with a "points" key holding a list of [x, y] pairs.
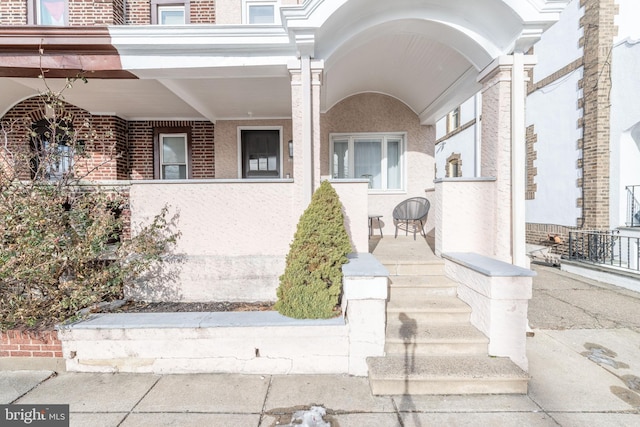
{"points": [[30, 344], [107, 12], [141, 147], [202, 12], [138, 12], [90, 12], [105, 138], [13, 12]]}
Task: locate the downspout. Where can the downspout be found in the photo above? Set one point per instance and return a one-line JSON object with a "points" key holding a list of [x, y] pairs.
{"points": [[307, 130], [518, 161]]}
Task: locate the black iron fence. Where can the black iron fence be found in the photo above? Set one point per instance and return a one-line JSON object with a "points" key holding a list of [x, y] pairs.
{"points": [[605, 247], [633, 205]]}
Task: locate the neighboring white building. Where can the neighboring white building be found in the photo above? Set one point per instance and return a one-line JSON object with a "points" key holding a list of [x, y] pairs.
{"points": [[583, 122]]}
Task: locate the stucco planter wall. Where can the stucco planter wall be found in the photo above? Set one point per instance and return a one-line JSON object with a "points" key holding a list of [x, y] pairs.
{"points": [[240, 342], [499, 295]]}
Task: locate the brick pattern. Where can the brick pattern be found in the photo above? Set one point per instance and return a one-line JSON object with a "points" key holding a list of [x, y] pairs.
{"points": [[104, 136], [539, 234], [90, 12], [597, 42], [30, 344], [141, 147], [202, 12], [137, 12], [13, 12], [530, 139], [106, 12]]}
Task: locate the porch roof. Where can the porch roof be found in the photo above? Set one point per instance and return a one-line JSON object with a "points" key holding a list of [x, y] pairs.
{"points": [[425, 53]]}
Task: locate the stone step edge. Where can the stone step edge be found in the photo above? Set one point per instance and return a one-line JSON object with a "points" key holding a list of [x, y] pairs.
{"points": [[506, 369]]}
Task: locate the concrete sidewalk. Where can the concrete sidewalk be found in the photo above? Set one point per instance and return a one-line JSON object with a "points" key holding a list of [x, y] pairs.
{"points": [[584, 362]]}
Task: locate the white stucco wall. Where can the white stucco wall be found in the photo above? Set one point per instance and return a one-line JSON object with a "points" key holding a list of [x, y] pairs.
{"points": [[372, 112], [559, 45], [625, 126], [554, 112], [462, 143], [627, 20]]}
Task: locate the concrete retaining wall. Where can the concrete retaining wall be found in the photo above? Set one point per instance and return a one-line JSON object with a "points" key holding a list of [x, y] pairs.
{"points": [[499, 295], [239, 342]]}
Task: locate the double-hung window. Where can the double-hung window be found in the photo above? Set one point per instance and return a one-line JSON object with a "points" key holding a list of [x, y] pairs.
{"points": [[373, 156], [172, 153], [260, 12], [170, 12], [48, 12]]}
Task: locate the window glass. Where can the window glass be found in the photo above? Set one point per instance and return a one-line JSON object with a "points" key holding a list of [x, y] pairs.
{"points": [[171, 15], [261, 13], [376, 157], [53, 152], [367, 157], [341, 159], [393, 164], [51, 12], [174, 156]]}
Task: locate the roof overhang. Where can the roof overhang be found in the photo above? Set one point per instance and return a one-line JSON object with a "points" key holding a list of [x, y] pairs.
{"points": [[425, 53]]}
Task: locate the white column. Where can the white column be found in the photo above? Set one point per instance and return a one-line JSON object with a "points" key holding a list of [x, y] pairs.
{"points": [[307, 130], [518, 161]]}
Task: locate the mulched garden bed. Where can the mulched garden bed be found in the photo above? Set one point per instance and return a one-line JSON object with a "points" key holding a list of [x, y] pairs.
{"points": [[167, 307]]}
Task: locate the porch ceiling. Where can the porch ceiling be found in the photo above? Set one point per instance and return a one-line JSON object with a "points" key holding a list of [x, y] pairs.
{"points": [[426, 53]]}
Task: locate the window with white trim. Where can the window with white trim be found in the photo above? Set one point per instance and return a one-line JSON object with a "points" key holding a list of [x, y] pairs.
{"points": [[169, 12], [374, 156], [172, 153], [453, 120], [260, 12]]}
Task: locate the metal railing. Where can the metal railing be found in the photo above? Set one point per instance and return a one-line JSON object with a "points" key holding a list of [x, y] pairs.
{"points": [[633, 205], [605, 247]]}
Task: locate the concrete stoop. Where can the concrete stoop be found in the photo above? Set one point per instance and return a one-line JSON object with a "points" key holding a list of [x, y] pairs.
{"points": [[431, 346]]}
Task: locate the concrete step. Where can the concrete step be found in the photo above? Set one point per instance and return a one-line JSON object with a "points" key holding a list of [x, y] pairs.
{"points": [[421, 286], [411, 311], [413, 268], [435, 340], [433, 375]]}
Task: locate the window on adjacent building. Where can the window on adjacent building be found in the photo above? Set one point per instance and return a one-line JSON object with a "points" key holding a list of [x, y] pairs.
{"points": [[260, 12], [372, 156], [453, 120], [173, 154], [169, 12], [52, 149], [454, 166], [48, 12]]}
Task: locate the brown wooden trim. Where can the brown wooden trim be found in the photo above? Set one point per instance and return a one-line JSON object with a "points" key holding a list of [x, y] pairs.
{"points": [[63, 51]]}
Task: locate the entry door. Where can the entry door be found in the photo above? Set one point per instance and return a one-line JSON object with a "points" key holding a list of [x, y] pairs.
{"points": [[260, 153]]}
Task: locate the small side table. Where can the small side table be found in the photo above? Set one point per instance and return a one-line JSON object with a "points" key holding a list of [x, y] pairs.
{"points": [[377, 218]]}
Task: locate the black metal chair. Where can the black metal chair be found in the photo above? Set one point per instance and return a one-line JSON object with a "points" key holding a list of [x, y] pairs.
{"points": [[414, 211]]}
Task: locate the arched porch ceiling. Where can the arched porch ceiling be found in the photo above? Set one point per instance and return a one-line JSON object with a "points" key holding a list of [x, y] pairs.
{"points": [[425, 53]]}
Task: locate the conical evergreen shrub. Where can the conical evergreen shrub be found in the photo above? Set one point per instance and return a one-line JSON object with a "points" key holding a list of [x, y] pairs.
{"points": [[311, 285]]}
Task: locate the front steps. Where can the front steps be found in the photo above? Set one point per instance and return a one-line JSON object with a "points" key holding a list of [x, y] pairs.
{"points": [[431, 346]]}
